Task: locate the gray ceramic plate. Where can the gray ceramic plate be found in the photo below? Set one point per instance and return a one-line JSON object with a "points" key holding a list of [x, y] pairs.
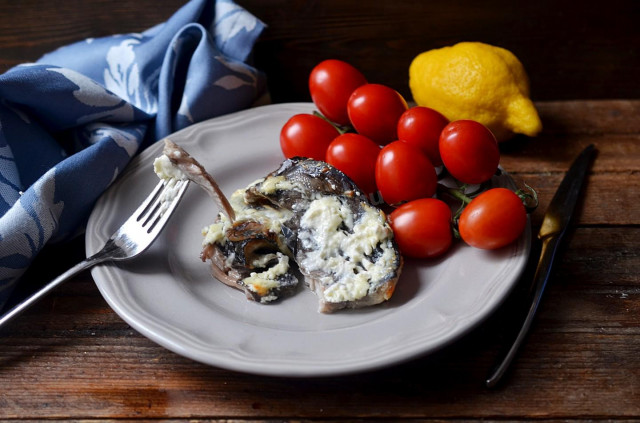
{"points": [[168, 295]]}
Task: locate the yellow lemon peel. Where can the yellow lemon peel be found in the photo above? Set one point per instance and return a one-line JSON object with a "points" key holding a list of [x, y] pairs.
{"points": [[473, 80]]}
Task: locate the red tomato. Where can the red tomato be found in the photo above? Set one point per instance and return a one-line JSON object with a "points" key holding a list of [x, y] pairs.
{"points": [[404, 173], [331, 83], [493, 219], [469, 151], [422, 228], [356, 156], [421, 126], [374, 111], [306, 135]]}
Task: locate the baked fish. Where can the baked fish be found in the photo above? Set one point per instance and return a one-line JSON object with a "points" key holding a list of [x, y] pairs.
{"points": [[305, 215]]}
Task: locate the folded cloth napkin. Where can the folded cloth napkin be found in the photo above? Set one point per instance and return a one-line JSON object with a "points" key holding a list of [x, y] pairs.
{"points": [[71, 122]]}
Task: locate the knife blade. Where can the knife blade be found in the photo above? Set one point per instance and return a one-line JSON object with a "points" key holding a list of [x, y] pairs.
{"points": [[554, 226]]}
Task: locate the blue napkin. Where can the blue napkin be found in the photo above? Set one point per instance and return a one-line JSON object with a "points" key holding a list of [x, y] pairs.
{"points": [[71, 122]]}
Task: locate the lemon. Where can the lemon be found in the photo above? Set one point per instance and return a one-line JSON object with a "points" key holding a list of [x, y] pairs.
{"points": [[473, 80]]}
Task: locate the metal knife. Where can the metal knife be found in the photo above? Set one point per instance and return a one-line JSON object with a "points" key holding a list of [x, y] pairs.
{"points": [[554, 226]]}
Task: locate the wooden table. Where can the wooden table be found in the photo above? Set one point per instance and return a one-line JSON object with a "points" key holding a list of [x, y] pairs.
{"points": [[71, 357]]}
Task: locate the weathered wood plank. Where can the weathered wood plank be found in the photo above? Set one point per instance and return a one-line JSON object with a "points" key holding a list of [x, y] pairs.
{"points": [[560, 375], [71, 357], [607, 198], [565, 58], [31, 28], [580, 361], [548, 153], [611, 117]]}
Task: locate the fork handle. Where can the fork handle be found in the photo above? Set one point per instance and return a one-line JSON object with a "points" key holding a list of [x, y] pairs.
{"points": [[38, 295]]}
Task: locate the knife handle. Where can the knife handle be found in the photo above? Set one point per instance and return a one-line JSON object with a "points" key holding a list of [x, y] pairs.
{"points": [[543, 271]]}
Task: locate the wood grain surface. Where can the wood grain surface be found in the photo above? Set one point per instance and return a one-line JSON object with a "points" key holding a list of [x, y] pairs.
{"points": [[72, 358], [571, 49]]}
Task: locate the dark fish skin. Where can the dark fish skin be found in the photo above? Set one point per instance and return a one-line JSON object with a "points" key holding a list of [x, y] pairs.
{"points": [[247, 242], [249, 246], [316, 177], [250, 240], [313, 178]]}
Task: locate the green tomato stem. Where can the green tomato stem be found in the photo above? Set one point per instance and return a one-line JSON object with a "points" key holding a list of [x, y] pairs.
{"points": [[340, 128], [457, 193], [529, 198]]}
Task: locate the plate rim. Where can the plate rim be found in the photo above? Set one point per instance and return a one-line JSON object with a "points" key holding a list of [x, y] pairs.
{"points": [[147, 328]]}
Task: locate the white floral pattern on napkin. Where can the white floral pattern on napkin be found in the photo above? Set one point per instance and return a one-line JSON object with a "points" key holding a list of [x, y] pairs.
{"points": [[71, 122]]}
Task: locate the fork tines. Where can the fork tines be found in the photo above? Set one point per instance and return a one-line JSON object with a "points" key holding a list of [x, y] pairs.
{"points": [[160, 203]]}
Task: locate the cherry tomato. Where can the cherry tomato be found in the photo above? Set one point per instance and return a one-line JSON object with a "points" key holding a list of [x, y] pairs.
{"points": [[493, 219], [422, 228], [404, 173], [469, 151], [306, 135], [374, 111], [421, 126], [331, 83], [356, 156]]}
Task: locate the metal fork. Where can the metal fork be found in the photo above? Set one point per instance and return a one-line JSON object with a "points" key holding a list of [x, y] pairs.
{"points": [[133, 237]]}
